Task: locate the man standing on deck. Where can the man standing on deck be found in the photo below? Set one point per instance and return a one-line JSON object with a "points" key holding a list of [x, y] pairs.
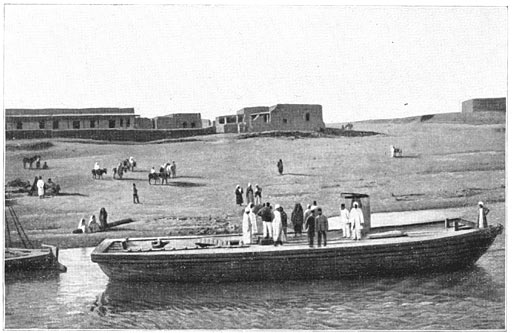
{"points": [[266, 217], [277, 227], [321, 226], [356, 221], [482, 215], [310, 227], [345, 223]]}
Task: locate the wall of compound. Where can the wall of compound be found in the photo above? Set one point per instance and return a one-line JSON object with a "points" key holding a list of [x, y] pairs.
{"points": [[138, 135]]}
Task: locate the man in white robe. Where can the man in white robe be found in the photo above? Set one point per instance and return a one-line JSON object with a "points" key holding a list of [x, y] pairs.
{"points": [[246, 226], [356, 221], [277, 227], [40, 187]]}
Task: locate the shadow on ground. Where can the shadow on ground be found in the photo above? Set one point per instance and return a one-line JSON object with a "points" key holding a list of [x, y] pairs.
{"points": [[63, 194]]}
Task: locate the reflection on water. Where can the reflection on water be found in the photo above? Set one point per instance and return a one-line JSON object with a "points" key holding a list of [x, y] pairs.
{"points": [[85, 298]]}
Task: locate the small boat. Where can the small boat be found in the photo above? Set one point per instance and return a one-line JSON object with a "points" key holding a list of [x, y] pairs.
{"points": [[412, 248], [22, 259], [28, 258]]}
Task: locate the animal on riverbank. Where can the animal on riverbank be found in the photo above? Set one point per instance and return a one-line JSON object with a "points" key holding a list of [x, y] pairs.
{"points": [[30, 161], [118, 171], [396, 152], [162, 176], [98, 173]]}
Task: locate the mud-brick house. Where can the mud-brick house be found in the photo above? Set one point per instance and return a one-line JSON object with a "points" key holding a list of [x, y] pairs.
{"points": [[280, 117], [484, 104], [69, 119], [178, 120]]}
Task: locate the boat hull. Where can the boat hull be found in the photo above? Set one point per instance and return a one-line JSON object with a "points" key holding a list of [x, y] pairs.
{"points": [[33, 260], [453, 251]]}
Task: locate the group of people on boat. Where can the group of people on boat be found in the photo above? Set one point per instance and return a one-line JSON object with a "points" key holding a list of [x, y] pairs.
{"points": [[274, 223], [93, 226], [351, 222], [252, 195]]}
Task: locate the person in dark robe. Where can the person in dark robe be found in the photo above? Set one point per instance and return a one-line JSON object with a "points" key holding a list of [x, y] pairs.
{"points": [[103, 219], [33, 189], [257, 195], [310, 228], [297, 219], [239, 195], [249, 194], [280, 166]]}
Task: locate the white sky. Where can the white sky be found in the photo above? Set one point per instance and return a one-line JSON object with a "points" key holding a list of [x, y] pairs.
{"points": [[358, 62]]}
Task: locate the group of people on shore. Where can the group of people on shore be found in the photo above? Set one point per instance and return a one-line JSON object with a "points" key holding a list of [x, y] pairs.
{"points": [[42, 188], [93, 226], [168, 167], [252, 195]]}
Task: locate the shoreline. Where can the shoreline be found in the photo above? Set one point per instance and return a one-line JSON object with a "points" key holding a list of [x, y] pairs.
{"points": [[69, 241]]}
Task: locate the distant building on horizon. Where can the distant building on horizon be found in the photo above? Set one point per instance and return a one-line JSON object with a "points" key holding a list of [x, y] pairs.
{"points": [[65, 119], [280, 117], [484, 104], [178, 120]]}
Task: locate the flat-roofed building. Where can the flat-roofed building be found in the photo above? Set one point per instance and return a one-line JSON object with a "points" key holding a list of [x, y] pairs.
{"points": [[65, 119], [280, 117], [484, 104], [178, 120]]}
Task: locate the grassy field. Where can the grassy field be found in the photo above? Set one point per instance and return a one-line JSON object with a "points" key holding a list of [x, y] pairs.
{"points": [[444, 165]]}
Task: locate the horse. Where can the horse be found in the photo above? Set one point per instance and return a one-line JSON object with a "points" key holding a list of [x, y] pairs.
{"points": [[396, 152], [98, 173], [30, 161], [118, 171], [131, 164], [154, 176], [158, 175]]}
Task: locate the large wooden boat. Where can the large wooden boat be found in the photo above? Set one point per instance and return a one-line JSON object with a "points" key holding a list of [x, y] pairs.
{"points": [[431, 247]]}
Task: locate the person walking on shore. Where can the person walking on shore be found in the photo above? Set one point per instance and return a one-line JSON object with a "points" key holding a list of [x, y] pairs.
{"points": [[103, 219], [40, 187], [257, 195], [249, 194], [482, 215], [135, 194], [280, 166], [239, 199]]}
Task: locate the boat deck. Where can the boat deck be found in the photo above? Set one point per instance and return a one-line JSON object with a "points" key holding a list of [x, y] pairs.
{"points": [[221, 244]]}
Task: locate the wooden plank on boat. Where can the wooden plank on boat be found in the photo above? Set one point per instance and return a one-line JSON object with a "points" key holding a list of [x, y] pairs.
{"points": [[387, 234]]}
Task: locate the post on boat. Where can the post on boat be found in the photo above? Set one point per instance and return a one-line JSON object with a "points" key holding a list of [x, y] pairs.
{"points": [[363, 201], [446, 223]]}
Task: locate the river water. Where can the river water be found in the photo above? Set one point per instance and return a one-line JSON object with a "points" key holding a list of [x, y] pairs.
{"points": [[84, 298]]}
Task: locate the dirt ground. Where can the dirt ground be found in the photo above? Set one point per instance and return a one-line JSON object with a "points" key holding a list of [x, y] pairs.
{"points": [[443, 165]]}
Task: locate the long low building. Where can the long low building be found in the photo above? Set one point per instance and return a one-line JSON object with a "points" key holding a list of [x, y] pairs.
{"points": [[64, 119]]}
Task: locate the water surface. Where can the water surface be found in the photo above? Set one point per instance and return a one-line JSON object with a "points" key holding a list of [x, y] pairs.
{"points": [[84, 298]]}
